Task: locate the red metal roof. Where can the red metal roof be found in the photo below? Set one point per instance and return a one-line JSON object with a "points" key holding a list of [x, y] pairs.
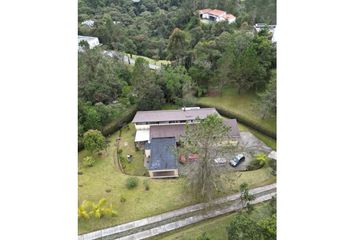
{"points": [[217, 12]]}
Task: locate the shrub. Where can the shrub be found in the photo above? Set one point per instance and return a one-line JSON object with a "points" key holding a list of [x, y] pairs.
{"points": [[273, 165], [89, 161], [132, 182], [146, 185], [94, 141], [123, 199], [204, 236], [258, 162]]}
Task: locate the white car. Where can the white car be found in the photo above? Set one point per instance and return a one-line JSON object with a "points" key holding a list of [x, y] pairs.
{"points": [[220, 160]]}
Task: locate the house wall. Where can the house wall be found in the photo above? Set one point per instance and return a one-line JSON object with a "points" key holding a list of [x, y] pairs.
{"points": [[169, 173]]}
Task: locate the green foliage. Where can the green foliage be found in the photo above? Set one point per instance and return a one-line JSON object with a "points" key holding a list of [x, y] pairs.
{"points": [[177, 44], [152, 99], [267, 104], [89, 161], [208, 139], [269, 226], [146, 185], [176, 82], [122, 199], [260, 159], [90, 209], [246, 197], [94, 141], [132, 182], [243, 228], [204, 236]]}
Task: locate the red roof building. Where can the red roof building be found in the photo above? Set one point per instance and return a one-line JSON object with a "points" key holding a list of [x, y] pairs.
{"points": [[216, 15]]}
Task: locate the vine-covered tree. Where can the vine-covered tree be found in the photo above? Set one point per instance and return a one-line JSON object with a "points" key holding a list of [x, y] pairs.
{"points": [[209, 139], [94, 141]]}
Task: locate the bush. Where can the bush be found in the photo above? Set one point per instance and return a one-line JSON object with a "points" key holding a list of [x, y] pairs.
{"points": [[132, 182], [89, 161], [122, 199], [255, 164], [146, 185]]}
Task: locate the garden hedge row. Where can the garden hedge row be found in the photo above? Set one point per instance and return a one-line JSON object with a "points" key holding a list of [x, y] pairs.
{"points": [[243, 120], [116, 124]]}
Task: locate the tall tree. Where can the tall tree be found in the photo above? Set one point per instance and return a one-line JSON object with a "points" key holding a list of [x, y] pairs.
{"points": [[177, 45], [141, 76], [209, 139], [267, 104]]}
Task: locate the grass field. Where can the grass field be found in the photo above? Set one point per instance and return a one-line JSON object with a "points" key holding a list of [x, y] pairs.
{"points": [[152, 61], [243, 105], [105, 180], [214, 228], [136, 166]]}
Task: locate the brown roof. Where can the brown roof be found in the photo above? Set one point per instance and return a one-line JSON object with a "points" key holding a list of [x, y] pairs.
{"points": [[235, 132], [172, 115], [202, 11], [164, 131]]}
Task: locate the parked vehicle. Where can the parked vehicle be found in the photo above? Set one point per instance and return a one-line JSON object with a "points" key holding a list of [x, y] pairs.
{"points": [[237, 160], [220, 160]]}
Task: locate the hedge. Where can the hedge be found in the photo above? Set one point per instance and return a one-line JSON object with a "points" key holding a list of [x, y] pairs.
{"points": [[243, 120], [116, 124]]}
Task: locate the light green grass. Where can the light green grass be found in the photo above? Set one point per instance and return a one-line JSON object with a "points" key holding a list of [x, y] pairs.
{"points": [[152, 61], [136, 166], [164, 194], [214, 228], [241, 104]]}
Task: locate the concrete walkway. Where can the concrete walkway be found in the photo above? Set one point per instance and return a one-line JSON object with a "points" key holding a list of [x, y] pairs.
{"points": [[136, 225]]}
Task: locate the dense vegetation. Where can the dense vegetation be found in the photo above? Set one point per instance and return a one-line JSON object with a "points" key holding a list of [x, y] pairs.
{"points": [[205, 57]]}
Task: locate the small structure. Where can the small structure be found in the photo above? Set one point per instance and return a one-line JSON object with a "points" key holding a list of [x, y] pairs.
{"points": [[92, 42], [273, 155], [163, 160], [263, 26], [88, 23], [216, 15]]}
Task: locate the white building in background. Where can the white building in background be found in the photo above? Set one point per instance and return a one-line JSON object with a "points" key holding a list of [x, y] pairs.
{"points": [[88, 23], [216, 15], [92, 41], [271, 28]]}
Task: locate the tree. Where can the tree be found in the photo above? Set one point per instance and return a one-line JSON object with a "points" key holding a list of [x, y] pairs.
{"points": [[243, 228], [246, 197], [267, 104], [209, 139], [94, 141], [269, 226], [176, 82], [141, 76], [152, 99], [177, 45]]}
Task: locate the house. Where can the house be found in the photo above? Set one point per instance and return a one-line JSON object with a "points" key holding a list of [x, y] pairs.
{"points": [[216, 15], [158, 133], [88, 23], [92, 41]]}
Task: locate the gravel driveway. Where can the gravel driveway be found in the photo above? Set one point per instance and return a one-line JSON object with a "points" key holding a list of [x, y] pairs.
{"points": [[249, 145]]}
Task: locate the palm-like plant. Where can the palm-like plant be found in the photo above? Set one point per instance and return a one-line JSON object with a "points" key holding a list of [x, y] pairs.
{"points": [[83, 210]]}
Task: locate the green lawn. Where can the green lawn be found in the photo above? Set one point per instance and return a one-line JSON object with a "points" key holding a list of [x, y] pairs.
{"points": [[105, 180], [136, 166], [214, 228], [152, 61], [243, 105]]}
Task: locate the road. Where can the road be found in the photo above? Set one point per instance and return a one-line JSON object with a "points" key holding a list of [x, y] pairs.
{"points": [[169, 221]]}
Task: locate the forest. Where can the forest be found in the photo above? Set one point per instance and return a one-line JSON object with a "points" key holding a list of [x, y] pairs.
{"points": [[205, 58]]}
